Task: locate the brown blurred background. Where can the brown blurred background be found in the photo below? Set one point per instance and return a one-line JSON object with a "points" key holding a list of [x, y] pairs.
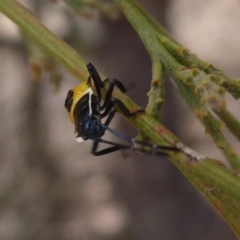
{"points": [[51, 187]]}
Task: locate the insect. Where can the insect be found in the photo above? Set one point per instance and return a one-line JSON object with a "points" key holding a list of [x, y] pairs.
{"points": [[86, 112]]}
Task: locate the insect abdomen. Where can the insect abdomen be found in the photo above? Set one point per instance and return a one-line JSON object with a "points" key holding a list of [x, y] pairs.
{"points": [[87, 118]]}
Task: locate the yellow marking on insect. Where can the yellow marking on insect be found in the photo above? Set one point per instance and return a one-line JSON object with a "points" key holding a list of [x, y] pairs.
{"points": [[78, 92]]}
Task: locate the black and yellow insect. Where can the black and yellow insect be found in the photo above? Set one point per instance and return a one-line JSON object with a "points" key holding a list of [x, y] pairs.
{"points": [[86, 112]]}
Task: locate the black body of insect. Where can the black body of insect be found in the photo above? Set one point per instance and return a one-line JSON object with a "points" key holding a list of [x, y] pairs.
{"points": [[86, 111]]}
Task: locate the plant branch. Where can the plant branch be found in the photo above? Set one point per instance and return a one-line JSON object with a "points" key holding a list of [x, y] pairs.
{"points": [[184, 57], [156, 94], [198, 83], [44, 38], [231, 122], [191, 82], [82, 7]]}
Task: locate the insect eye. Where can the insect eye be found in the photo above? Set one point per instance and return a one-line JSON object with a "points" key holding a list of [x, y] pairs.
{"points": [[69, 100]]}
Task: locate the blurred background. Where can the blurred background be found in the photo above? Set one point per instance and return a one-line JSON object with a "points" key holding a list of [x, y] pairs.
{"points": [[51, 187]]}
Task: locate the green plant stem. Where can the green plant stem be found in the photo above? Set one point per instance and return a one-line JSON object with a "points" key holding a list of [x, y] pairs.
{"points": [[224, 205], [206, 175], [231, 122], [212, 125], [44, 38], [150, 37], [156, 95], [190, 60], [213, 170], [80, 6]]}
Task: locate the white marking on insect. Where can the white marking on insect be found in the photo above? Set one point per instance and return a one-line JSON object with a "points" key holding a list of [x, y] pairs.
{"points": [[90, 101], [79, 139]]}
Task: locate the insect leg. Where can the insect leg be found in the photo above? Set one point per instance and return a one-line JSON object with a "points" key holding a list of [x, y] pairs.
{"points": [[154, 147], [99, 84], [108, 121], [110, 117], [114, 148], [117, 83], [121, 106], [111, 86]]}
